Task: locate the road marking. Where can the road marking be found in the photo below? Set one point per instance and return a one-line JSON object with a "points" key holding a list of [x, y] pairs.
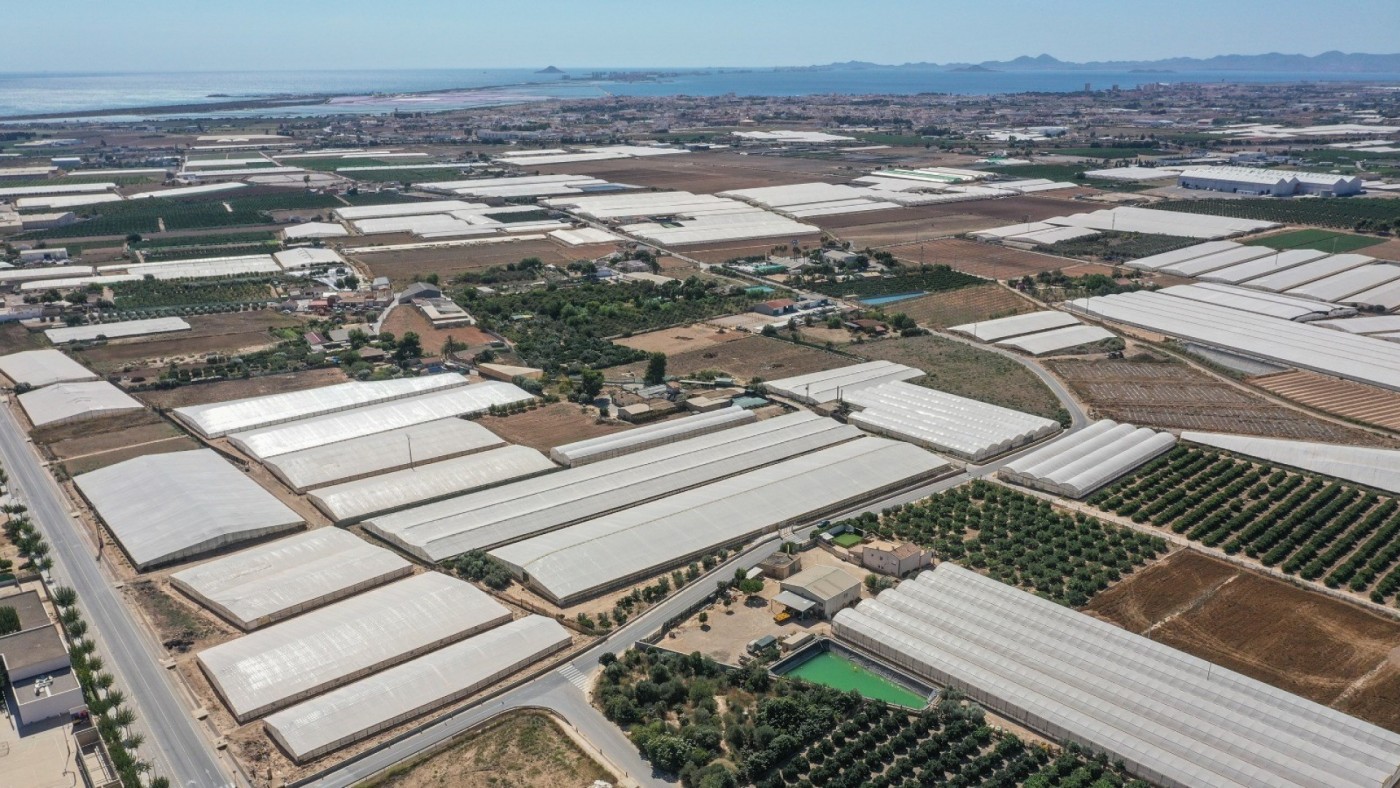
{"points": [[575, 676]]}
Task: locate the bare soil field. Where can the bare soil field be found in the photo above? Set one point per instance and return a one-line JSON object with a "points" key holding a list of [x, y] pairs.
{"points": [[1386, 250], [201, 393], [680, 340], [967, 371], [15, 338], [181, 626], [407, 318], [92, 462], [552, 425], [1298, 640], [523, 750], [1174, 396], [228, 333], [448, 261], [707, 173], [1344, 398], [723, 251], [968, 305], [110, 434], [991, 261], [744, 359]]}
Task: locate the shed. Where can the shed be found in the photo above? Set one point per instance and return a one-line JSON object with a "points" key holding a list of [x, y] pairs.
{"points": [[830, 588]]}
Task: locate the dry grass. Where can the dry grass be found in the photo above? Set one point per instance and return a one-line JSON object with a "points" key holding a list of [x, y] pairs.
{"points": [[549, 426], [230, 333], [967, 371], [201, 393], [744, 359], [968, 305]]}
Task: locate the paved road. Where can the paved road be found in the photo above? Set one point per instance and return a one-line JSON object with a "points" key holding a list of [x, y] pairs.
{"points": [[175, 746]]}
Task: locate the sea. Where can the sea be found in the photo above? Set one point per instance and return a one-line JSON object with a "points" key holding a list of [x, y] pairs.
{"points": [[383, 91]]}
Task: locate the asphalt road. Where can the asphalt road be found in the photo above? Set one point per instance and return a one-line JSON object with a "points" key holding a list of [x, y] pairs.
{"points": [[174, 744]]}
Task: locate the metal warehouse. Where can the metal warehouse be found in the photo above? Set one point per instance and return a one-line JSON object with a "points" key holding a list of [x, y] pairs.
{"points": [[821, 387], [36, 368], [362, 709], [1171, 718], [216, 419], [938, 420], [351, 502], [357, 458], [288, 662], [1084, 461], [62, 403], [609, 446], [514, 511], [168, 507], [582, 560], [1379, 468], [125, 328], [265, 584], [357, 422]]}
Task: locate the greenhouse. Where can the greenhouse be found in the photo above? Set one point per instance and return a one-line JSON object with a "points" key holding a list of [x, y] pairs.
{"points": [[62, 403], [827, 386], [1004, 327], [38, 368], [1378, 468], [1278, 261], [357, 422], [350, 502], [1285, 307], [582, 560], [1059, 340], [169, 507], [1345, 286], [216, 419], [360, 710], [125, 328], [1172, 719], [514, 511], [348, 460], [1211, 262], [281, 579], [1299, 275], [945, 422], [1084, 461], [288, 662], [609, 446]]}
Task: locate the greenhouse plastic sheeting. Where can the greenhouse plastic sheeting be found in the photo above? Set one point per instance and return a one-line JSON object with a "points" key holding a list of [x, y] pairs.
{"points": [[381, 452], [287, 662], [1175, 256], [1084, 461], [1379, 468], [945, 422], [626, 442], [1001, 328], [65, 402], [1058, 340], [125, 328], [828, 386], [1173, 719], [270, 582], [38, 368]]}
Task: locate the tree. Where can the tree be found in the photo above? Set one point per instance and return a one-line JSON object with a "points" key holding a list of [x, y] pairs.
{"points": [[63, 596], [9, 620], [704, 619], [656, 369], [409, 348], [769, 331], [590, 385]]}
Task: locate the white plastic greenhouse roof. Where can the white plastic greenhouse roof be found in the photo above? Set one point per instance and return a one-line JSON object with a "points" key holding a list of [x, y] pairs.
{"points": [[350, 502], [1260, 266], [945, 422], [167, 507], [400, 209], [1379, 324], [126, 328], [1379, 468], [358, 422], [1127, 219], [514, 511], [1001, 328], [63, 402], [1360, 358], [583, 559], [381, 452], [1273, 304], [628, 441], [359, 710], [1059, 339], [43, 368], [1173, 719], [1342, 287], [1299, 275], [288, 662], [1386, 296], [216, 419], [270, 582], [1197, 266], [45, 272], [1084, 461], [828, 386], [307, 257]]}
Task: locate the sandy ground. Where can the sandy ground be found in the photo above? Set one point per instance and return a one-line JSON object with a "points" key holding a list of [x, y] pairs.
{"points": [[680, 340], [407, 318], [200, 393], [966, 305], [744, 359], [550, 426]]}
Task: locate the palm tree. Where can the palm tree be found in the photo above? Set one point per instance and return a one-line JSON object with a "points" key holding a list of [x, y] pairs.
{"points": [[134, 741], [124, 717], [63, 596], [103, 681], [116, 698]]}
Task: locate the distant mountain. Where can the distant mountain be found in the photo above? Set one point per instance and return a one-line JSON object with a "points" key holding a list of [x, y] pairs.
{"points": [[550, 70], [1327, 62]]}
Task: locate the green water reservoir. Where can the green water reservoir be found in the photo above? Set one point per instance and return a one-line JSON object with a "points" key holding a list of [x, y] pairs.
{"points": [[834, 670]]}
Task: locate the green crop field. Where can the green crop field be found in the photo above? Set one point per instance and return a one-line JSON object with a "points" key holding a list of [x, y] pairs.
{"points": [[1321, 240], [256, 236], [1343, 212], [1052, 172], [932, 279], [379, 198], [1104, 153]]}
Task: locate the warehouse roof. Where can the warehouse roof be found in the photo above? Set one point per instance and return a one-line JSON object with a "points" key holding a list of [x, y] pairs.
{"points": [[827, 386], [945, 422], [357, 422], [43, 368], [514, 511], [270, 582], [1171, 718], [822, 582], [284, 663], [1379, 468], [391, 450], [216, 419], [603, 447], [125, 328], [1084, 461], [356, 711], [88, 399], [165, 507], [350, 502], [578, 561]]}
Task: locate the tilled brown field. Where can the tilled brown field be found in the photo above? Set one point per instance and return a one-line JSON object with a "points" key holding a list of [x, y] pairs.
{"points": [[1301, 641], [991, 261], [744, 359], [549, 426], [1343, 398], [968, 305], [1174, 396]]}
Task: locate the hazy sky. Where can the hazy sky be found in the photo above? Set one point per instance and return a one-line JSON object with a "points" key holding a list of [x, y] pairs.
{"points": [[211, 35]]}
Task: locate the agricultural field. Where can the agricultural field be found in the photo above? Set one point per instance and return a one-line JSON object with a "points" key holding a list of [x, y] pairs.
{"points": [[932, 280], [158, 296], [1323, 649], [227, 333], [1345, 398], [448, 262], [1317, 528], [1019, 540], [681, 339], [704, 172], [206, 239], [1120, 247], [550, 425], [15, 338], [1173, 396], [967, 305], [524, 750], [713, 728], [989, 261], [145, 217], [749, 357], [174, 253], [408, 318], [1053, 172], [1321, 240], [1347, 214], [378, 198], [237, 389], [287, 200], [968, 371]]}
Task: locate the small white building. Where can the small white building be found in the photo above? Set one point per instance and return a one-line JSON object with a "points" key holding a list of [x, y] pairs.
{"points": [[823, 590], [897, 559], [28, 256]]}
